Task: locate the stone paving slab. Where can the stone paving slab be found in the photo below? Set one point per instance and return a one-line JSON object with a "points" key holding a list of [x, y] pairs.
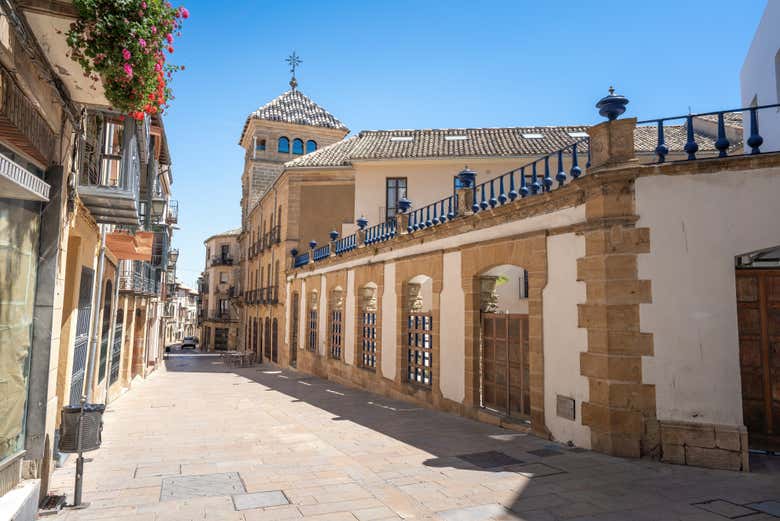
{"points": [[340, 454]]}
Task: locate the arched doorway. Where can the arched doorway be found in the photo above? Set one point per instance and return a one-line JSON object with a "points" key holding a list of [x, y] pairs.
{"points": [[504, 350]]}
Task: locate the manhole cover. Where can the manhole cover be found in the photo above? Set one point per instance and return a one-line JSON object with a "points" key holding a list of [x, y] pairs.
{"points": [[490, 459], [205, 485]]}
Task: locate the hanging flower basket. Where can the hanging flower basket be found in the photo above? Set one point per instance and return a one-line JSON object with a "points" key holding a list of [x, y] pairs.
{"points": [[124, 44]]}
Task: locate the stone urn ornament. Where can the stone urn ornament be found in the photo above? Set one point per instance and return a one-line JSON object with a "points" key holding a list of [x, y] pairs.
{"points": [[415, 297], [613, 105]]}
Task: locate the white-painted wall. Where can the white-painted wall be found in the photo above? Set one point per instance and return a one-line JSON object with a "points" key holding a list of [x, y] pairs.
{"points": [[427, 180], [388, 309], [324, 314], [452, 339], [759, 77], [349, 320], [563, 340], [303, 317], [699, 223], [509, 300]]}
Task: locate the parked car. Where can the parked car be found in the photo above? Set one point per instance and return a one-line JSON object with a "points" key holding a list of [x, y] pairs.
{"points": [[189, 341]]}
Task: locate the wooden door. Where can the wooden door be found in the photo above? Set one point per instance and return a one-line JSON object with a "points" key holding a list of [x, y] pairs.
{"points": [[758, 312], [505, 384]]}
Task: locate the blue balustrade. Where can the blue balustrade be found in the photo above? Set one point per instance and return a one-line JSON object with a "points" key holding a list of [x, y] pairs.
{"points": [[323, 252], [345, 244], [301, 260], [721, 144]]}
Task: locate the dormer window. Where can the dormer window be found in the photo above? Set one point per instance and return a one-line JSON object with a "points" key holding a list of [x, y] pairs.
{"points": [[298, 147], [284, 145], [311, 146]]}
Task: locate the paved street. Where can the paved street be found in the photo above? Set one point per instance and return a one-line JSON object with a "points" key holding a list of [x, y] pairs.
{"points": [[199, 441]]}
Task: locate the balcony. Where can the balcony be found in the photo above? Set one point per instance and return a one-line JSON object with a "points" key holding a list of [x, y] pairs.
{"points": [[110, 170], [140, 278], [222, 260], [172, 216], [19, 183]]}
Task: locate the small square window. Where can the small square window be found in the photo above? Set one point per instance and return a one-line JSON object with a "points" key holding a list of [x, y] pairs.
{"points": [[533, 136]]}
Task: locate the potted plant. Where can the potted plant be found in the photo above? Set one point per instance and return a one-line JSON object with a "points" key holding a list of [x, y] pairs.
{"points": [[124, 44]]}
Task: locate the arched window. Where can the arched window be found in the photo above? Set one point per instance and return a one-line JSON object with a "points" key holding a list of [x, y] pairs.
{"points": [[284, 145], [311, 146], [260, 144], [298, 146]]}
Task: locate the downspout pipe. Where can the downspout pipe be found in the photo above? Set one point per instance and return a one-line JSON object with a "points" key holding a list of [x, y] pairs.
{"points": [[96, 310]]}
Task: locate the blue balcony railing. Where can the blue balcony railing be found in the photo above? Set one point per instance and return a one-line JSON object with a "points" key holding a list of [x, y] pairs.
{"points": [[533, 178], [380, 232], [323, 252], [435, 213], [346, 244], [301, 260], [727, 132]]}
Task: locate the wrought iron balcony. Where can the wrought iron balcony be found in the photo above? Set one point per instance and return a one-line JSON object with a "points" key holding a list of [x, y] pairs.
{"points": [[110, 169], [173, 212], [222, 260]]}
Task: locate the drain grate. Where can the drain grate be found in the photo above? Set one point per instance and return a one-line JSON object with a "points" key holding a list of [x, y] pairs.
{"points": [[489, 460], [204, 485], [51, 505]]}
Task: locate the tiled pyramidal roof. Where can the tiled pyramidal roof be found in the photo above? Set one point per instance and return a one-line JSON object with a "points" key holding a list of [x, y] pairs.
{"points": [[295, 107]]}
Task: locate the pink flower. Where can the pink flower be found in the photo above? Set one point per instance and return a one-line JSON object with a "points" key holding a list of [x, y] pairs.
{"points": [[157, 67], [169, 37], [142, 42], [154, 29], [128, 70], [126, 54], [143, 5], [184, 12]]}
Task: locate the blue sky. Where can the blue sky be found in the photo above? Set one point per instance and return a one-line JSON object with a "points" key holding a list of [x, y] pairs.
{"points": [[433, 64]]}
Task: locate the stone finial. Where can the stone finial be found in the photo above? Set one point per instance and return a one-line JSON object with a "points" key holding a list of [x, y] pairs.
{"points": [[612, 106], [487, 293], [368, 300], [415, 297]]}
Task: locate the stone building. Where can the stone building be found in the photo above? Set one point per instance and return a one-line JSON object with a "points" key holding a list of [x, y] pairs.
{"points": [[180, 313], [219, 287], [85, 224], [553, 256]]}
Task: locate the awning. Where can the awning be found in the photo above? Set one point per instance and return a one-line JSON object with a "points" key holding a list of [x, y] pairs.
{"points": [[130, 247]]}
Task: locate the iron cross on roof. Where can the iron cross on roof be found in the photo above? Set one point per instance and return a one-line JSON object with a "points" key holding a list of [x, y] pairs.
{"points": [[293, 61]]}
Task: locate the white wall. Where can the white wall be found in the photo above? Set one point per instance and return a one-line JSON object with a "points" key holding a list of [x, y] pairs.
{"points": [[452, 339], [563, 340], [388, 310], [303, 317], [698, 224], [324, 318], [508, 293], [759, 77], [427, 180], [349, 320]]}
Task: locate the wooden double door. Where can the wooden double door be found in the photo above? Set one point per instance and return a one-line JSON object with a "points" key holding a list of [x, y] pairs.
{"points": [[758, 312], [505, 386]]}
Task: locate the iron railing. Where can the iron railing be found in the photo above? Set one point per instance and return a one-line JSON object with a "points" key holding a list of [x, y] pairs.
{"points": [[722, 118]]}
